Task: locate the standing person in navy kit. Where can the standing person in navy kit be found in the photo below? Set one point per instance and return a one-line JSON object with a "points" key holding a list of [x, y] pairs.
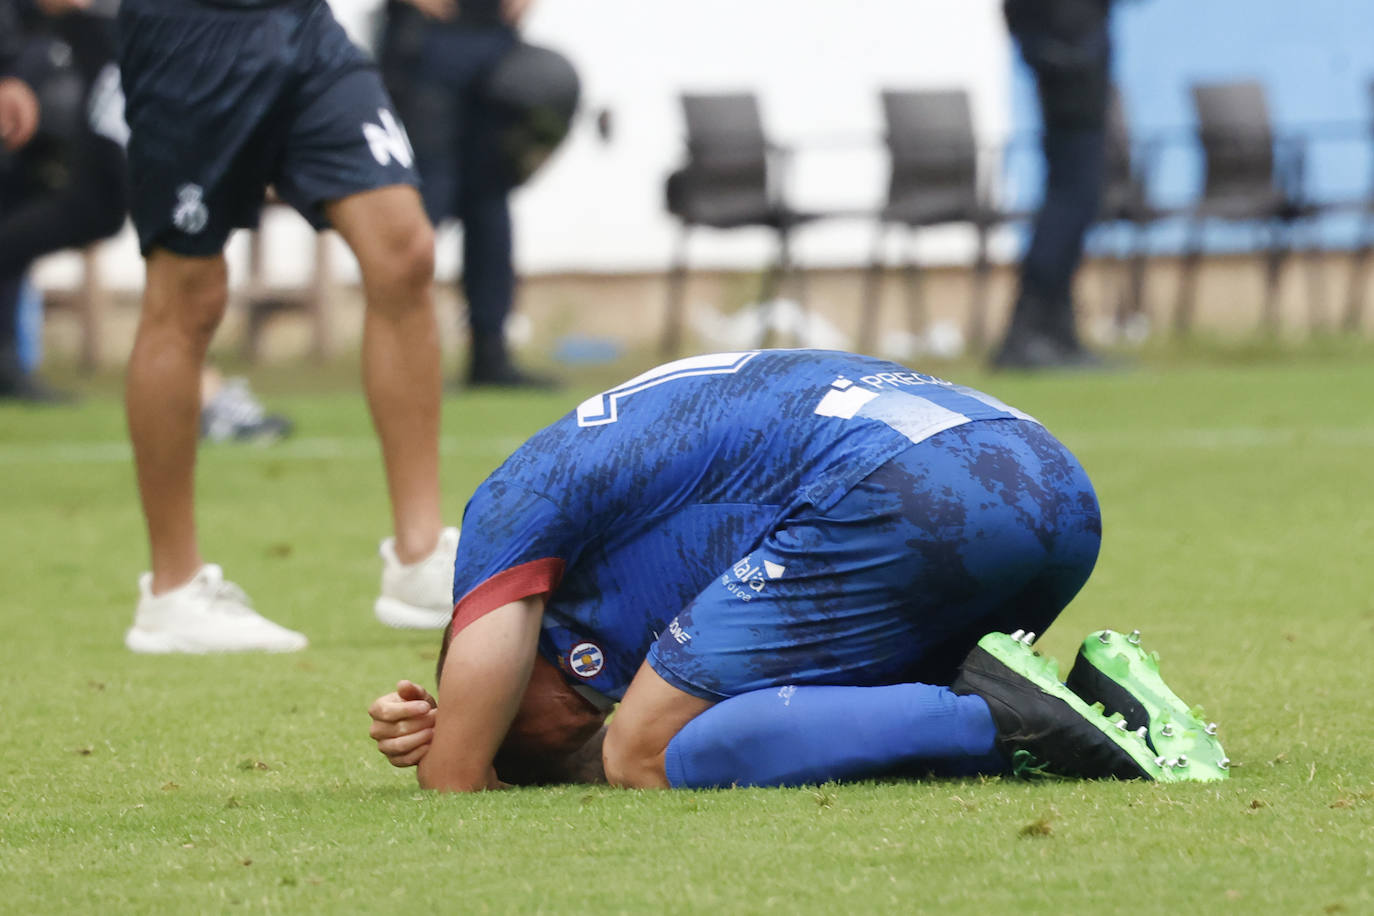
{"points": [[435, 56], [224, 98], [1067, 45]]}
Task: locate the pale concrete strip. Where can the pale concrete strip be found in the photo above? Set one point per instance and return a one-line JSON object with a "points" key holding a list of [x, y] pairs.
{"points": [[299, 449]]}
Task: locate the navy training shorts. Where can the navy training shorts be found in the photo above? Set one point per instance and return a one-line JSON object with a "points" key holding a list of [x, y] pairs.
{"points": [[223, 102]]}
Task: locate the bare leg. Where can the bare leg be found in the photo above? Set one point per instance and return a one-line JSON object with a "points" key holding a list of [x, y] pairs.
{"points": [[650, 715], [394, 243], [183, 303]]}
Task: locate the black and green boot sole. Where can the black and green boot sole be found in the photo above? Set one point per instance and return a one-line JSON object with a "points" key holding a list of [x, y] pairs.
{"points": [[1113, 669]]}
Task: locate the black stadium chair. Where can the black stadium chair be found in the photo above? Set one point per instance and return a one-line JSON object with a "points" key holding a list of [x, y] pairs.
{"points": [[934, 180], [1249, 178], [733, 178]]}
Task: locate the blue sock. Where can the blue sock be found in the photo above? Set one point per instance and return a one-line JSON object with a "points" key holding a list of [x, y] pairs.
{"points": [[786, 736]]}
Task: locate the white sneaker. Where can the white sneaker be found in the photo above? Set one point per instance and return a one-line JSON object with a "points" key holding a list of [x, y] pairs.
{"points": [[418, 596], [206, 614]]}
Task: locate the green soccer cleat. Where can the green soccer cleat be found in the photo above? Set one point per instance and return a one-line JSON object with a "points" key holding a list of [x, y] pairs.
{"points": [[1113, 669], [1045, 729]]}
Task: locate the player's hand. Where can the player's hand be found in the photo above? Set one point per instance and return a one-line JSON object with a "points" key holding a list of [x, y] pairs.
{"points": [[442, 10], [18, 113], [403, 723]]}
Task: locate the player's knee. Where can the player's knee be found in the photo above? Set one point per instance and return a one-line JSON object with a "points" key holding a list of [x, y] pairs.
{"points": [[185, 296], [406, 259], [631, 764]]}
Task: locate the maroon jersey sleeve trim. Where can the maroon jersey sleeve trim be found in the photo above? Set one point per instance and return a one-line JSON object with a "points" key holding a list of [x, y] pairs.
{"points": [[533, 578]]}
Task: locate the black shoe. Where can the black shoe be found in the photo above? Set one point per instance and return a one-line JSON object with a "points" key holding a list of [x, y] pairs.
{"points": [[18, 384], [1043, 728], [510, 376], [491, 367]]}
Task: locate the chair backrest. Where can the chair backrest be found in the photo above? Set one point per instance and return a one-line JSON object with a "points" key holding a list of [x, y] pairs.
{"points": [[1123, 192], [727, 158], [725, 135], [932, 145], [1237, 139]]}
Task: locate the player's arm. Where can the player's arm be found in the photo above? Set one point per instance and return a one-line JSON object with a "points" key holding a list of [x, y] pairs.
{"points": [[485, 673]]}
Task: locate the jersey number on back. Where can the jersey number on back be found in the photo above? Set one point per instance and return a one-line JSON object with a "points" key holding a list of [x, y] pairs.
{"points": [[605, 407]]}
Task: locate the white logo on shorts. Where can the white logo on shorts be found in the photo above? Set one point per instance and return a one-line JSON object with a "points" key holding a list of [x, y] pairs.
{"points": [[586, 660], [190, 215], [389, 141]]}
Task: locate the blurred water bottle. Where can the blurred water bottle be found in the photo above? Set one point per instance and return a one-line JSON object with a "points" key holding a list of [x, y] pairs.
{"points": [[29, 327]]}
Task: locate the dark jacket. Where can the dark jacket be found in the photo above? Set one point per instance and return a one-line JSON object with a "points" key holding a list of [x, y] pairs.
{"points": [[10, 38]]}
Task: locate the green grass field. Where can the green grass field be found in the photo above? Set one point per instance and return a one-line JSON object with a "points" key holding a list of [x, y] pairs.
{"points": [[1239, 537]]}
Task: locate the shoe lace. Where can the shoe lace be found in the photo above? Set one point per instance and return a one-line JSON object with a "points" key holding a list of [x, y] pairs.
{"points": [[227, 597], [1025, 765]]}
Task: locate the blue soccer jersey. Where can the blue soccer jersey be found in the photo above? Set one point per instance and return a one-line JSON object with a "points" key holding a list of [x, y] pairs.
{"points": [[626, 509]]}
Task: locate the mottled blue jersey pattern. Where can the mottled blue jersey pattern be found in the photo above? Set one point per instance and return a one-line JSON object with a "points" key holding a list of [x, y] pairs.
{"points": [[766, 517]]}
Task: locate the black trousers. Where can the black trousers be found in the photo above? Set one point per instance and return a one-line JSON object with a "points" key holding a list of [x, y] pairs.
{"points": [[435, 73], [1067, 46]]}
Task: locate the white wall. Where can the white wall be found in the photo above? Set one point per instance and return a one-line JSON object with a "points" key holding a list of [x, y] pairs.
{"points": [[817, 66]]}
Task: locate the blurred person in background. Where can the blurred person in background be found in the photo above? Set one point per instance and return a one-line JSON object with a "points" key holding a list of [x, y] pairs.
{"points": [[225, 98], [436, 57], [1067, 46], [65, 187]]}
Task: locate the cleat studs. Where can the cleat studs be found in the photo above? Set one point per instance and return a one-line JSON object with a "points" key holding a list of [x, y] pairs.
{"points": [[1182, 760], [1121, 725], [1168, 730], [1104, 637], [1141, 732], [1134, 638], [1172, 762], [1224, 763], [1210, 728], [1018, 634], [1028, 638], [1160, 761]]}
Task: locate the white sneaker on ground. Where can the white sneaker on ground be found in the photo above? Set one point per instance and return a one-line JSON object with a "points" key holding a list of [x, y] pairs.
{"points": [[207, 614], [418, 596]]}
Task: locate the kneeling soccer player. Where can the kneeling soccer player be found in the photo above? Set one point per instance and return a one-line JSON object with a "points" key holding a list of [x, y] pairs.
{"points": [[781, 563]]}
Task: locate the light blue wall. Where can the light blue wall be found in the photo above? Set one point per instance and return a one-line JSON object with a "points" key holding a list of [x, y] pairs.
{"points": [[1314, 57]]}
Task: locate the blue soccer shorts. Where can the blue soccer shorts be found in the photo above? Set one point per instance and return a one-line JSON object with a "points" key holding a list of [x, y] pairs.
{"points": [[988, 526]]}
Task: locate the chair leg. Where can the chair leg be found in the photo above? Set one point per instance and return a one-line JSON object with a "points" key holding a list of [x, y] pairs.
{"points": [[94, 306], [917, 318], [1187, 282], [671, 342], [771, 287], [1273, 273], [317, 300], [1316, 280], [1359, 270], [872, 294], [1134, 300], [978, 300]]}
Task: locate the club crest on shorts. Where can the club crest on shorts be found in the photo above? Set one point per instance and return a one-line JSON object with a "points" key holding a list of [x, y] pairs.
{"points": [[585, 660], [190, 214]]}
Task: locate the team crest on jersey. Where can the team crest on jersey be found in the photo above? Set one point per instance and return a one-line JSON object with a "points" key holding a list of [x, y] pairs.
{"points": [[190, 215], [586, 660]]}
